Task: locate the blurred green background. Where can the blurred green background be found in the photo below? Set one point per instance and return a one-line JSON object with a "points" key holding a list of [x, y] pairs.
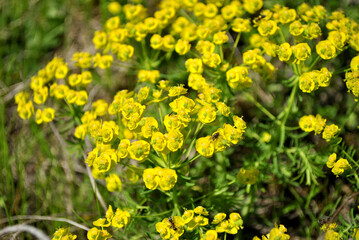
{"points": [[38, 178]]}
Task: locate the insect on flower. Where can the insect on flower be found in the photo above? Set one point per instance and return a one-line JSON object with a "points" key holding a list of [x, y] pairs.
{"points": [[215, 136], [256, 20], [172, 223]]}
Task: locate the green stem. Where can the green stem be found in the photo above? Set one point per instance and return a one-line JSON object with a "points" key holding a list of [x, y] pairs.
{"points": [[221, 52], [234, 47], [281, 35], [315, 61], [176, 211], [287, 111], [260, 106]]}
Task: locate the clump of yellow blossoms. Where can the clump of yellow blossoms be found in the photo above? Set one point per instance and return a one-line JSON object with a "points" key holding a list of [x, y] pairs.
{"points": [[338, 167], [276, 233], [309, 123], [188, 73], [174, 227], [64, 234], [119, 219], [159, 177], [329, 231]]}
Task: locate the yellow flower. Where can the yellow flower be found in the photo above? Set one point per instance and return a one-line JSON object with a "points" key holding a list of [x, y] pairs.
{"points": [[220, 38], [340, 166], [113, 183], [158, 141], [149, 127], [241, 25], [82, 59], [205, 146], [306, 123], [156, 41], [354, 64], [205, 47], [326, 49], [168, 179], [194, 65], [102, 62], [187, 216], [330, 131], [331, 160], [182, 103], [296, 28], [207, 114], [196, 81], [100, 39], [239, 123], [174, 140], [106, 161], [267, 28], [139, 150], [80, 131], [164, 230], [100, 107], [168, 43], [148, 76], [301, 52], [231, 134], [278, 233], [252, 6], [197, 221], [177, 90], [287, 15], [47, 115], [151, 177], [112, 23], [97, 234], [212, 60], [237, 77], [40, 95], [121, 218], [172, 122], [219, 217], [124, 52], [223, 109], [64, 234], [308, 82], [284, 52], [182, 46], [60, 91], [86, 78], [114, 8]]}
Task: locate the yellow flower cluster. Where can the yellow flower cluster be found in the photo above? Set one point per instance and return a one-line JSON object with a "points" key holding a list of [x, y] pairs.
{"points": [[352, 77], [174, 227], [311, 81], [338, 167], [277, 233], [64, 234], [309, 123], [224, 137], [119, 219], [330, 233], [248, 176], [113, 183], [159, 177]]}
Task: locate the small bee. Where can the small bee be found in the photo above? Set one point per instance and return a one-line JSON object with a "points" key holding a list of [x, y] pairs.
{"points": [[258, 19], [215, 136], [172, 223]]}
